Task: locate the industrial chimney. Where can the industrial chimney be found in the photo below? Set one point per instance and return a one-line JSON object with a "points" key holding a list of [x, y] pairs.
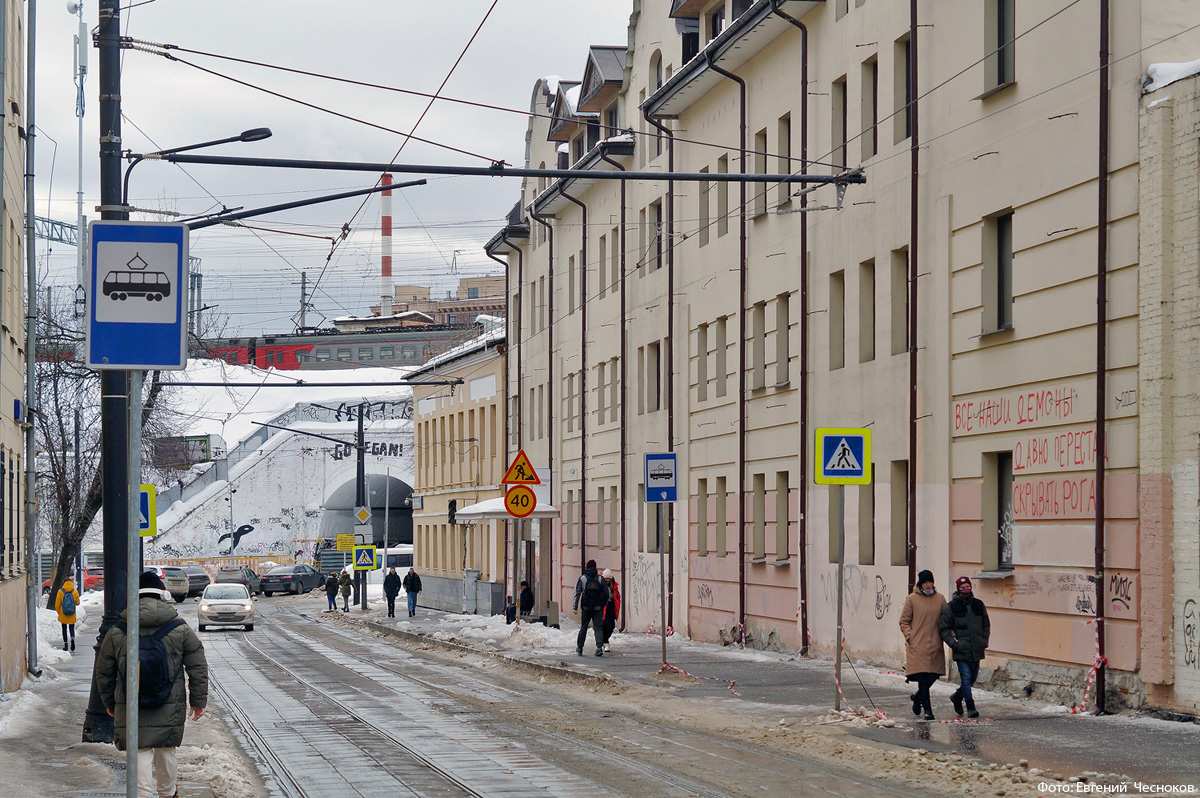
{"points": [[385, 239]]}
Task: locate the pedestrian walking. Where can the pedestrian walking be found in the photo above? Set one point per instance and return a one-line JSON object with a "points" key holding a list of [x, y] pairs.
{"points": [[66, 602], [612, 610], [925, 658], [331, 591], [510, 610], [526, 600], [412, 586], [591, 596], [169, 649], [391, 589], [966, 629], [345, 587]]}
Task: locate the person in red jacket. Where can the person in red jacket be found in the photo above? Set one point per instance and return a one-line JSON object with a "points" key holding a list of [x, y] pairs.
{"points": [[612, 610]]}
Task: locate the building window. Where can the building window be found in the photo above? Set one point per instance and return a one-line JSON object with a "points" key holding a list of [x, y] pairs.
{"points": [[365, 353], [702, 363], [543, 308], [997, 273], [837, 117], [837, 320], [866, 311], [568, 403], [784, 147], [641, 367], [653, 378], [615, 514], [571, 284], [842, 8], [721, 354], [601, 520], [899, 296], [901, 89], [600, 392], [703, 193], [702, 517], [689, 38], [997, 508], [721, 519], [576, 149], [656, 221], [866, 524], [899, 511], [836, 522], [541, 404], [387, 352], [614, 256], [783, 355], [759, 542], [722, 197], [760, 166], [656, 81], [345, 355], [610, 121], [870, 107], [580, 398], [716, 22], [758, 335], [614, 401], [783, 549], [999, 44], [603, 260], [643, 253], [473, 293], [639, 144], [593, 134]]}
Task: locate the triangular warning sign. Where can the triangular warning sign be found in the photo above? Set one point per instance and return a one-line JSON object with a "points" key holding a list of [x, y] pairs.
{"points": [[521, 471], [843, 458]]}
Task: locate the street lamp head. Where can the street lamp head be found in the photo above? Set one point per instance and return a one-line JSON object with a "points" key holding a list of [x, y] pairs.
{"points": [[256, 134], [73, 7]]}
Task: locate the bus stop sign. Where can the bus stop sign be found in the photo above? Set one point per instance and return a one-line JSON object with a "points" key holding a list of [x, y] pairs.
{"points": [[137, 295]]}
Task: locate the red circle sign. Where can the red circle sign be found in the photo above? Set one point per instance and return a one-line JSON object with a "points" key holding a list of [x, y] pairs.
{"points": [[520, 501]]}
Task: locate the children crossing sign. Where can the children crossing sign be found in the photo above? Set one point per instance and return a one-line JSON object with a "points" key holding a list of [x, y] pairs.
{"points": [[843, 456]]}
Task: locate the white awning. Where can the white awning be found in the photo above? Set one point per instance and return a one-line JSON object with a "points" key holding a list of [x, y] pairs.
{"points": [[493, 510]]}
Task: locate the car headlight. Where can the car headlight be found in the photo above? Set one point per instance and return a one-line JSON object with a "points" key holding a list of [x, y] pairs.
{"points": [[205, 606]]}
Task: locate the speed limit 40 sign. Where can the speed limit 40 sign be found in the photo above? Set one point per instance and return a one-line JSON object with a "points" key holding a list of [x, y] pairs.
{"points": [[520, 501]]}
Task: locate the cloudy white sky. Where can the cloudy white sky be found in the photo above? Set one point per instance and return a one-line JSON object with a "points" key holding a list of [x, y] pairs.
{"points": [[403, 43]]}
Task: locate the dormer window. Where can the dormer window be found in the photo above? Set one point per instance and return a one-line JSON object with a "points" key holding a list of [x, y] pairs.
{"points": [[593, 134], [740, 6], [610, 121], [576, 149], [716, 23]]}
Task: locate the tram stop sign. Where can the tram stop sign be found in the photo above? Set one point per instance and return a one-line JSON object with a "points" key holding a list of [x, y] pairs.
{"points": [[137, 296]]}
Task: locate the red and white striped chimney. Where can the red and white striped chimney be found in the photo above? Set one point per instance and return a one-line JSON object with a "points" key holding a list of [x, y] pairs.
{"points": [[385, 237]]}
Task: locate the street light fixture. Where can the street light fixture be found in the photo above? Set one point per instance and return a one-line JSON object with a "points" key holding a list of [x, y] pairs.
{"points": [[253, 134]]}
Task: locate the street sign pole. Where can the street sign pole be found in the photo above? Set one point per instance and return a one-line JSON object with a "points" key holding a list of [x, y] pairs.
{"points": [[662, 581], [132, 577], [660, 474], [837, 495]]}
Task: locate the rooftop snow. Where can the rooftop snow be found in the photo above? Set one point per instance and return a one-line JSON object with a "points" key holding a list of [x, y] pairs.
{"points": [[1160, 75], [492, 336]]}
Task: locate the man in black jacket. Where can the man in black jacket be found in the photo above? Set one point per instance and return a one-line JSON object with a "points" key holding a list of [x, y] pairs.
{"points": [[391, 589], [412, 586], [591, 596], [966, 629]]}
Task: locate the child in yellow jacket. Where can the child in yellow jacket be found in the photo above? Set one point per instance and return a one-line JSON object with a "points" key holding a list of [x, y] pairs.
{"points": [[66, 602]]}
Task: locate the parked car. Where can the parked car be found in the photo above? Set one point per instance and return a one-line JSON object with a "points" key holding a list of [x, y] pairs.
{"points": [[198, 579], [175, 580], [225, 604], [240, 575], [291, 579], [93, 579]]}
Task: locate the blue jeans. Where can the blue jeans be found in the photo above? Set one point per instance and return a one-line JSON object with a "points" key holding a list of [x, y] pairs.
{"points": [[968, 672], [412, 604], [332, 597]]}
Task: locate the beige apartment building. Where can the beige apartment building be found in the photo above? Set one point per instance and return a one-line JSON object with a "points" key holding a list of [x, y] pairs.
{"points": [[13, 568], [459, 433], [954, 314], [475, 295]]}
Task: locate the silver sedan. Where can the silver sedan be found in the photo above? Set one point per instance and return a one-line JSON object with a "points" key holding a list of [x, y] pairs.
{"points": [[226, 604]]}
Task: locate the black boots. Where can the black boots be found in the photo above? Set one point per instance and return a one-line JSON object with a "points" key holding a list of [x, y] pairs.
{"points": [[957, 700], [971, 711], [916, 702]]}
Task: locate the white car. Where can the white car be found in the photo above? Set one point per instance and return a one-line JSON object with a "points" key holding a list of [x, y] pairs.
{"points": [[226, 604]]}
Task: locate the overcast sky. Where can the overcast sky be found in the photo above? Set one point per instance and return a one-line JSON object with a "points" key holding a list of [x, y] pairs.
{"points": [[396, 42]]}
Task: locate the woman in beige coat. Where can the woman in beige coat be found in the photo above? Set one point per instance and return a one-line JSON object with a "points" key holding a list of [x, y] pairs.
{"points": [[925, 654]]}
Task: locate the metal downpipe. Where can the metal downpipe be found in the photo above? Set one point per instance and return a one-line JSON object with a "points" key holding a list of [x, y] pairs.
{"points": [[550, 386], [1101, 350], [913, 219], [583, 371]]}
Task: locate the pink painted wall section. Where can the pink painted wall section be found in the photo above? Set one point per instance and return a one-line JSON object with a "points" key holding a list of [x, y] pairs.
{"points": [[1073, 496], [1059, 402], [1063, 592], [1061, 638]]}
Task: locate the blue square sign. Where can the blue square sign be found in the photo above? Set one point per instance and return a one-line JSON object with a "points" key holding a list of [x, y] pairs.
{"points": [[137, 295], [843, 456], [660, 478]]}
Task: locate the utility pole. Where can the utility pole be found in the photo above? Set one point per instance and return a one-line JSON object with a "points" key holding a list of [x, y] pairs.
{"points": [[33, 590], [81, 68], [360, 496], [98, 726], [837, 496], [77, 506], [303, 300]]}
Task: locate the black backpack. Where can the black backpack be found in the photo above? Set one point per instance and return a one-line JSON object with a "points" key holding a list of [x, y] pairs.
{"points": [[593, 592], [155, 680]]}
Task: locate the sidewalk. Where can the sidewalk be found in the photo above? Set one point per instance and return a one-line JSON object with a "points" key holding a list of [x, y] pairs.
{"points": [[1046, 737]]}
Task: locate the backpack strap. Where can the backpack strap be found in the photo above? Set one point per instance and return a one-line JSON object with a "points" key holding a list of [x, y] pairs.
{"points": [[166, 628]]}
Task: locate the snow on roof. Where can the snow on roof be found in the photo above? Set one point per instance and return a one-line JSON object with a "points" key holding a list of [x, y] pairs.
{"points": [[492, 336], [405, 315], [564, 148], [1160, 75], [571, 95], [229, 412], [620, 138], [552, 82]]}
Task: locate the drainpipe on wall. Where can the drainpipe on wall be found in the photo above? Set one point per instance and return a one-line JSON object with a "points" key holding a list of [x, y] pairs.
{"points": [[507, 378], [741, 454], [550, 399], [583, 372], [802, 527], [914, 153], [621, 360], [1101, 351], [670, 355]]}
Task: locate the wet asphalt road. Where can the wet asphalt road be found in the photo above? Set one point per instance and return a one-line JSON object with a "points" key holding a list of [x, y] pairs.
{"points": [[328, 711]]}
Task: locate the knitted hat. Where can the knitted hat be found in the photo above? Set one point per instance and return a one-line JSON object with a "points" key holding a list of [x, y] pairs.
{"points": [[149, 579], [961, 582], [924, 576]]}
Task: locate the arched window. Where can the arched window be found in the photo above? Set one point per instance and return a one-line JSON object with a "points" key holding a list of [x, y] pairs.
{"points": [[656, 81]]}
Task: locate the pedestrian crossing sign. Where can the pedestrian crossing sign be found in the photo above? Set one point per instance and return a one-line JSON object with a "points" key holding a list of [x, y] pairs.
{"points": [[364, 558], [843, 456]]}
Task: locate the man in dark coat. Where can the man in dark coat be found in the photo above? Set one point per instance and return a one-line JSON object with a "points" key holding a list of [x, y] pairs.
{"points": [[391, 589], [160, 729], [331, 591], [526, 601], [966, 629], [591, 596], [412, 586]]}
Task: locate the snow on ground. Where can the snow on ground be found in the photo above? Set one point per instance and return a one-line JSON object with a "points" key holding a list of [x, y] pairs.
{"points": [[493, 632], [229, 412]]}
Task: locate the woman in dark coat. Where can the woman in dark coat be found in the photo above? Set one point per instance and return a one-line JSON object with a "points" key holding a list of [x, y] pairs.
{"points": [[965, 627]]}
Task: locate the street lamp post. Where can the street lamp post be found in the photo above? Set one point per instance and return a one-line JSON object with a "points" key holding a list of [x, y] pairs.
{"points": [[253, 134]]}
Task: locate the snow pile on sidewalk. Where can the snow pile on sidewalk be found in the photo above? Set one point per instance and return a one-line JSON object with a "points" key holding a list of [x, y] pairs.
{"points": [[22, 703], [50, 645], [492, 631]]}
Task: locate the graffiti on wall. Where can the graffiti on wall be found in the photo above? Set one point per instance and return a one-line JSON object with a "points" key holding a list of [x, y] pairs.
{"points": [[704, 594], [853, 589], [1120, 590], [1036, 498], [1066, 450], [883, 598], [642, 584], [1191, 645], [373, 448], [1025, 409]]}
